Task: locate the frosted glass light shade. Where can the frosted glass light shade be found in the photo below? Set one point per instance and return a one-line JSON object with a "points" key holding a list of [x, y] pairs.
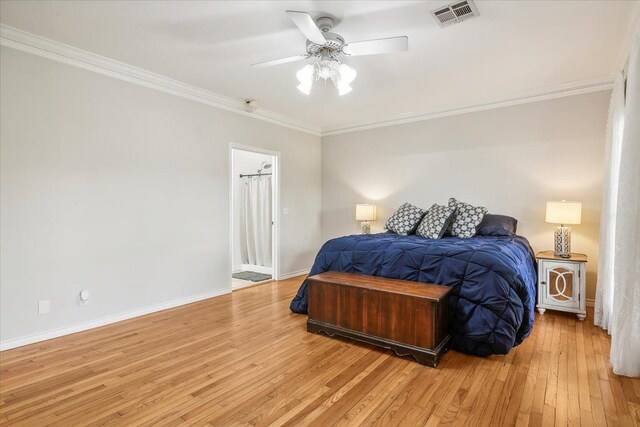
{"points": [[365, 212], [564, 212], [305, 75], [347, 74], [304, 88], [343, 88]]}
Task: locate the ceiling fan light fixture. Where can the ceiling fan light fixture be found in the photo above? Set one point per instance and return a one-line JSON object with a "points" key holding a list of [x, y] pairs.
{"points": [[305, 75], [343, 88], [326, 47], [327, 69], [324, 71], [347, 74], [304, 88]]}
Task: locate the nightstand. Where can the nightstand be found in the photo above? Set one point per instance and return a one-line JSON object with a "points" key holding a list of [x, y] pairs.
{"points": [[562, 283]]}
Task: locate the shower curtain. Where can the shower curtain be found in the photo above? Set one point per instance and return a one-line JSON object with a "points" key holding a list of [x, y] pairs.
{"points": [[255, 225]]}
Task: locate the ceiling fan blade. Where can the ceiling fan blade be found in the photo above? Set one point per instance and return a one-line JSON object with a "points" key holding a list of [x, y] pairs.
{"points": [[280, 61], [374, 47], [309, 28]]}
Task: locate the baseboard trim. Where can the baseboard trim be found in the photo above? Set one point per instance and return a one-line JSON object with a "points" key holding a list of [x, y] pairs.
{"points": [[55, 333], [302, 272], [256, 268]]}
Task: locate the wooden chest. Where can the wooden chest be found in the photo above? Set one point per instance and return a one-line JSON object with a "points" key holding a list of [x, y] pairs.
{"points": [[407, 317]]}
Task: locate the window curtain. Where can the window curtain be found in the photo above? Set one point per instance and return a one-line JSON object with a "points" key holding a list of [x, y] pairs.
{"points": [[615, 125], [618, 294], [255, 225]]}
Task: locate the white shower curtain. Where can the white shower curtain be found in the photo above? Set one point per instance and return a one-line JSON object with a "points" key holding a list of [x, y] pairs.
{"points": [[618, 293], [255, 225]]}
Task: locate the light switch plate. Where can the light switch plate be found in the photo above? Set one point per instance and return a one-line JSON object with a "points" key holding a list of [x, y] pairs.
{"points": [[44, 306]]}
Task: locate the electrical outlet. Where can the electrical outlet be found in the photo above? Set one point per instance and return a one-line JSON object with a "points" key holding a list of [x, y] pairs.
{"points": [[44, 306], [285, 211]]}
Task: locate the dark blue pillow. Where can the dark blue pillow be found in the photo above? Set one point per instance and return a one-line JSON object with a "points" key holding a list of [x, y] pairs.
{"points": [[497, 225]]}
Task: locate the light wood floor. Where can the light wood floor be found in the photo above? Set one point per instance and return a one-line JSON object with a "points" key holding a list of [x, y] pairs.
{"points": [[244, 359]]}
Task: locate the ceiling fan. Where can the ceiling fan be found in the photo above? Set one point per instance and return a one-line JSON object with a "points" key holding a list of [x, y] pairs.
{"points": [[326, 47]]}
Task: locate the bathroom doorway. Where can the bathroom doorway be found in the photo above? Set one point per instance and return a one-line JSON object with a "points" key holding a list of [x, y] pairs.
{"points": [[254, 201]]}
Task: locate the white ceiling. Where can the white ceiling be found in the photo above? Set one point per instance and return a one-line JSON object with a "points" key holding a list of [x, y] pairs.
{"points": [[514, 47]]}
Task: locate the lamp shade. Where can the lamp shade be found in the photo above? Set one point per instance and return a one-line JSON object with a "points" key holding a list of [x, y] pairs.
{"points": [[365, 212], [564, 212]]}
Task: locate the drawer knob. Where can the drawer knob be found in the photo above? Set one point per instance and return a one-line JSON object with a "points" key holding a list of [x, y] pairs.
{"points": [[543, 283]]}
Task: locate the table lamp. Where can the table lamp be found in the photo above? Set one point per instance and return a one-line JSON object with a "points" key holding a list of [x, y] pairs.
{"points": [[365, 213], [563, 213]]}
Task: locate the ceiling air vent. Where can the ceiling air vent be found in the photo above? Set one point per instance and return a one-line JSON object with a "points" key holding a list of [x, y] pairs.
{"points": [[455, 13]]}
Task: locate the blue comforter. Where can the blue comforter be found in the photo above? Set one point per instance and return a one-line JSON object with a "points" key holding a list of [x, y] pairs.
{"points": [[493, 280]]}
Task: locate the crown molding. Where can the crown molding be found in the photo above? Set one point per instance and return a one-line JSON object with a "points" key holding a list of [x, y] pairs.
{"points": [[632, 30], [46, 48], [575, 88]]}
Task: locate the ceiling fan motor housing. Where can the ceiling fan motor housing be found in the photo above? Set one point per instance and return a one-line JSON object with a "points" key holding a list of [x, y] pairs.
{"points": [[332, 47]]}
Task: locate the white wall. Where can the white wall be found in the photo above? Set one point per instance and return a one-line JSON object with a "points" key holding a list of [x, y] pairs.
{"points": [[511, 160], [244, 162], [124, 191]]}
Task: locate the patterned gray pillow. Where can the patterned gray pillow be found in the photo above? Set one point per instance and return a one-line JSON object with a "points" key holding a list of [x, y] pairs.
{"points": [[466, 218], [405, 220], [436, 221]]}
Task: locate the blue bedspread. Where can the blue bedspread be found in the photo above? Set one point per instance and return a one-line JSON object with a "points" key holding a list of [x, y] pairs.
{"points": [[493, 280]]}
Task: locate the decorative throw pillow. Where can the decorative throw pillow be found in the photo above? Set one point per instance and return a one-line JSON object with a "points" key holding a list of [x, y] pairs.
{"points": [[405, 220], [436, 221], [466, 218], [497, 225]]}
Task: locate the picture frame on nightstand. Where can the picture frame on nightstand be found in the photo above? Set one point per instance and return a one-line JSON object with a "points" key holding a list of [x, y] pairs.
{"points": [[562, 283]]}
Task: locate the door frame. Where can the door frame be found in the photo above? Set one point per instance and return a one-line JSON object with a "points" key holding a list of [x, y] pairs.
{"points": [[275, 208]]}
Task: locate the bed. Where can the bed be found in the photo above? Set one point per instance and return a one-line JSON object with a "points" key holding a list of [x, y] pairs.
{"points": [[493, 279]]}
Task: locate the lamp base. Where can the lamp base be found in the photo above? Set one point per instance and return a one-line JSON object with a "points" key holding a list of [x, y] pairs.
{"points": [[365, 227], [562, 241]]}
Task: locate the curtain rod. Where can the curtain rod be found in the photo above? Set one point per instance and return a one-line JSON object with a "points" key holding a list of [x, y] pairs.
{"points": [[254, 174]]}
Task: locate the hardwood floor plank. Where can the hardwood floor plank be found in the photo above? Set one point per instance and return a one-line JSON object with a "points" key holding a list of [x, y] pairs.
{"points": [[338, 387], [551, 394], [391, 398], [562, 390], [245, 359], [405, 401], [540, 390], [583, 370], [341, 408], [376, 395], [526, 402], [573, 394], [452, 395], [480, 377]]}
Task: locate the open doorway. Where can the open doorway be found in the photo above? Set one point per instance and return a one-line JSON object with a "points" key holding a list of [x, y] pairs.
{"points": [[253, 209]]}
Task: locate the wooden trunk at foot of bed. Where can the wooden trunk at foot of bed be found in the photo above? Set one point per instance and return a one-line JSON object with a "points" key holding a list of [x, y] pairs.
{"points": [[409, 318]]}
